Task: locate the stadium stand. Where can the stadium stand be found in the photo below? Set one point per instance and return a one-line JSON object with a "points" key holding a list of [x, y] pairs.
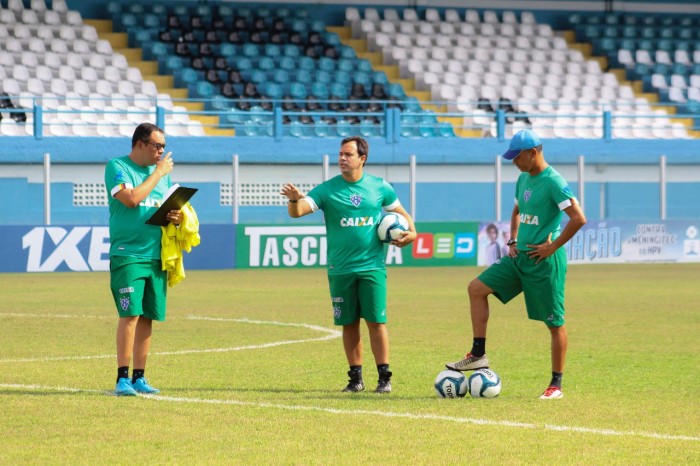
{"points": [[224, 68]]}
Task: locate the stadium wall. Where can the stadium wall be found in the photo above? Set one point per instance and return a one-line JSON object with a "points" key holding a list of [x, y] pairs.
{"points": [[455, 177]]}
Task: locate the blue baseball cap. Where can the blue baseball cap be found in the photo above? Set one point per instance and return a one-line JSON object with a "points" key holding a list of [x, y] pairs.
{"points": [[522, 140]]}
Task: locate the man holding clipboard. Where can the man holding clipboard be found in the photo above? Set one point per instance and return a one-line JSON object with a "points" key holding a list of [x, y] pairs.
{"points": [[137, 184]]}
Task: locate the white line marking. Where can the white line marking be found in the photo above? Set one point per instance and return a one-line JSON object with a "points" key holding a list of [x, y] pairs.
{"points": [[390, 414], [331, 334]]}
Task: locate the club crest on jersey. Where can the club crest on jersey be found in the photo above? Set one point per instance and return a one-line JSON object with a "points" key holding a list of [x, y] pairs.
{"points": [[356, 199], [527, 195], [124, 302]]}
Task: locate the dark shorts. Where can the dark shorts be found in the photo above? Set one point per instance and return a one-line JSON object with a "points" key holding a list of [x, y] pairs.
{"points": [[358, 295], [139, 287], [542, 284]]}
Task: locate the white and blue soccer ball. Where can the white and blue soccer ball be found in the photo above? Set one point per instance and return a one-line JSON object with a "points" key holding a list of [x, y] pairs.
{"points": [[484, 383], [450, 384], [390, 227]]}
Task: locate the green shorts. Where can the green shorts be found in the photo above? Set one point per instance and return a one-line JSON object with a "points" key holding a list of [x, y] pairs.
{"points": [[542, 284], [139, 287], [358, 295]]}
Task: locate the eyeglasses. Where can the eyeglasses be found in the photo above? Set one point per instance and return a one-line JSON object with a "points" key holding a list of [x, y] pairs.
{"points": [[156, 145]]}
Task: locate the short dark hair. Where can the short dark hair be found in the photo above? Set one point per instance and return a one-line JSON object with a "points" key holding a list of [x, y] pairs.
{"points": [[361, 143], [143, 132], [492, 227]]}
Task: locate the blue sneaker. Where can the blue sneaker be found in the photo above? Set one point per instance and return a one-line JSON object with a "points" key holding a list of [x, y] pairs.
{"points": [[141, 386], [124, 387]]}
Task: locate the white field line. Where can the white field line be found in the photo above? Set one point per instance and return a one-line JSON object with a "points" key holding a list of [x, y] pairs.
{"points": [[387, 414], [330, 334]]}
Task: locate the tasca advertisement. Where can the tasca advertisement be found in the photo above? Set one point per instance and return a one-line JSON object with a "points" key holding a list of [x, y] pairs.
{"points": [[269, 246]]}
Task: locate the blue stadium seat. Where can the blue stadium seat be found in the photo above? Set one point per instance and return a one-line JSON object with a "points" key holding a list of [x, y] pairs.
{"points": [[346, 65], [298, 90], [251, 50], [339, 90], [204, 89], [266, 64], [287, 63], [344, 128], [306, 63], [446, 130], [363, 66], [291, 50], [320, 90], [343, 77], [368, 129], [304, 77], [323, 77], [273, 50], [396, 91], [298, 129], [326, 64], [273, 90], [227, 50], [323, 130], [280, 76]]}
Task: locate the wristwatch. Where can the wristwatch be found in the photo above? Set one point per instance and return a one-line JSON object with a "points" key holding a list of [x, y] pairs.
{"points": [[511, 242]]}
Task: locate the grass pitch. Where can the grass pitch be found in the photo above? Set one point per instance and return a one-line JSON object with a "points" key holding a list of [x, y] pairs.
{"points": [[250, 368]]}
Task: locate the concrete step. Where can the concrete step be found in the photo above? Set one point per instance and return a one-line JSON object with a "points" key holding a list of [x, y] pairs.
{"points": [[161, 82], [178, 93], [101, 25], [344, 32], [391, 71], [118, 40], [422, 96], [192, 106], [375, 58], [219, 131], [360, 45], [132, 55], [409, 85]]}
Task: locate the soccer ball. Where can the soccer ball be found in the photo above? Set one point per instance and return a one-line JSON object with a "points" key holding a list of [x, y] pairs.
{"points": [[484, 383], [390, 227], [450, 384]]}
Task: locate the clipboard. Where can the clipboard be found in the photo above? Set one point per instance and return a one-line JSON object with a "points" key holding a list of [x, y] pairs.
{"points": [[177, 198]]}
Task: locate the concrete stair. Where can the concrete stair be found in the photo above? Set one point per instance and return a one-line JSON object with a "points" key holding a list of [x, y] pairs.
{"points": [[637, 86], [149, 71], [409, 85]]}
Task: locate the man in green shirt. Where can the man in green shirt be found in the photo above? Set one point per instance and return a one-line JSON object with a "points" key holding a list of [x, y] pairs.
{"points": [[536, 262], [352, 203], [136, 184]]}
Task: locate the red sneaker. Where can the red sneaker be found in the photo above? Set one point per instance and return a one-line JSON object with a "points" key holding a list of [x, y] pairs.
{"points": [[552, 393]]}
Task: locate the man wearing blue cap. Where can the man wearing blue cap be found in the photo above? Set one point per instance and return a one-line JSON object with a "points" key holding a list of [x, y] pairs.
{"points": [[536, 262]]}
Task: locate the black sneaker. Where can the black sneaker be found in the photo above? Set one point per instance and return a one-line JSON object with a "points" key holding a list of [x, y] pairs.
{"points": [[354, 386], [384, 383]]}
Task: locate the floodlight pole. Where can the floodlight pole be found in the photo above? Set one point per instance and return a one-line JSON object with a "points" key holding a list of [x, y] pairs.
{"points": [[412, 184], [234, 188], [497, 187], [662, 187]]}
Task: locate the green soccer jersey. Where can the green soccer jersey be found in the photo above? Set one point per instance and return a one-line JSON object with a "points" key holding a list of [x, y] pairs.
{"points": [[541, 200], [129, 233], [351, 212]]}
